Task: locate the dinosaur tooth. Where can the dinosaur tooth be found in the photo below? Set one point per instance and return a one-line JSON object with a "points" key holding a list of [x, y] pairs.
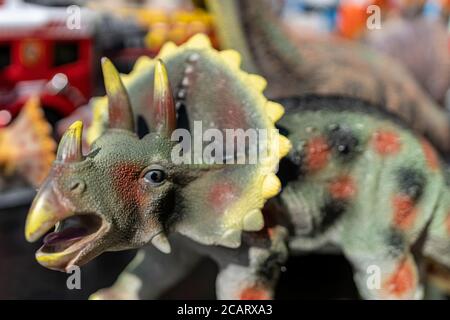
{"points": [[161, 243], [271, 186], [232, 238], [231, 57], [253, 221], [274, 110]]}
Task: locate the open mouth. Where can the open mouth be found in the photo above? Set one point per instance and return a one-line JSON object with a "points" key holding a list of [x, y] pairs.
{"points": [[71, 242], [74, 232]]}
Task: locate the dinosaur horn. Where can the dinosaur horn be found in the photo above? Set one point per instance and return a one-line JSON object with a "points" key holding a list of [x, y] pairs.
{"points": [[69, 149], [120, 112], [163, 118]]}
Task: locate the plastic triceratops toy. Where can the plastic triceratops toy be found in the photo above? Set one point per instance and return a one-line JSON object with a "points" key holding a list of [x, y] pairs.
{"points": [[355, 179]]}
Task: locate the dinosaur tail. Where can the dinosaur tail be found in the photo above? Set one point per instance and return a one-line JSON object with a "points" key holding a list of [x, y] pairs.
{"points": [[26, 146]]}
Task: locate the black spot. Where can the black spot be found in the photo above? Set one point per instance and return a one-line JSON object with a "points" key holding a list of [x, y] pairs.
{"points": [[165, 210], [291, 167], [331, 211], [142, 127], [283, 130], [182, 116], [267, 269], [343, 142], [411, 182], [395, 242]]}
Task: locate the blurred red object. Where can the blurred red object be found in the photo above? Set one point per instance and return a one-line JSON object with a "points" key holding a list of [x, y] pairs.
{"points": [[36, 44]]}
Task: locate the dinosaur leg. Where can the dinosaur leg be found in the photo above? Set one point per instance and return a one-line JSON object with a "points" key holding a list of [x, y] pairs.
{"points": [[386, 277], [256, 278], [150, 273]]}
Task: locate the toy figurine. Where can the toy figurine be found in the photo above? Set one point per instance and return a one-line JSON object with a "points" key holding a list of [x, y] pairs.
{"points": [[26, 145], [355, 179], [295, 65]]}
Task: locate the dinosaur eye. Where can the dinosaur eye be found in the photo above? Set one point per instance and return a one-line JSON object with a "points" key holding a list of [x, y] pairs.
{"points": [[155, 176]]}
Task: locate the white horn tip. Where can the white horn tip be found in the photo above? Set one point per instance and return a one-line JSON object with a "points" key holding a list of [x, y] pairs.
{"points": [[161, 242]]}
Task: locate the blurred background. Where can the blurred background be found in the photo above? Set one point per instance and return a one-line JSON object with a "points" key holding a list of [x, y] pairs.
{"points": [[50, 69]]}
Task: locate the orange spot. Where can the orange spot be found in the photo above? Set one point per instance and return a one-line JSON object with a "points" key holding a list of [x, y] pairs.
{"points": [[125, 177], [342, 188], [222, 194], [317, 153], [430, 155], [386, 142], [402, 280], [405, 211], [255, 293]]}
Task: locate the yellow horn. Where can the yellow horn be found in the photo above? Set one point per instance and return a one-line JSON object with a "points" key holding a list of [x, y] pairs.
{"points": [[120, 112], [70, 147], [163, 118]]}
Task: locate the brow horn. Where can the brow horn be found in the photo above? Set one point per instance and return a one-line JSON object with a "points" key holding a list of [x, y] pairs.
{"points": [[163, 119], [120, 112]]}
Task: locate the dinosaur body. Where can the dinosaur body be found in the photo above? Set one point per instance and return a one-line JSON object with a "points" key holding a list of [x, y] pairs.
{"points": [[353, 178], [295, 65], [365, 183]]}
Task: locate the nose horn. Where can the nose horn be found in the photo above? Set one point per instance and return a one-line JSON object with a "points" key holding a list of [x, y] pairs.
{"points": [[120, 112], [69, 149]]}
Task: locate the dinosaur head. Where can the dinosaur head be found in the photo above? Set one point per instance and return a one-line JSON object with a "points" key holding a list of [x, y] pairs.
{"points": [[129, 191], [99, 202]]}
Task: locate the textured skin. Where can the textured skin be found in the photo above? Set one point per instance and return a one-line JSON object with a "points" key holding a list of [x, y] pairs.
{"points": [[365, 183], [295, 65], [361, 181], [356, 179], [207, 205]]}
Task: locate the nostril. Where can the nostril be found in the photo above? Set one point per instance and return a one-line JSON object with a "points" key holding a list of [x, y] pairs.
{"points": [[77, 186]]}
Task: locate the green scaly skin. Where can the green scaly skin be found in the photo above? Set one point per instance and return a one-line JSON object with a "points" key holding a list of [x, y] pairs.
{"points": [[356, 179], [294, 65], [362, 181]]}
